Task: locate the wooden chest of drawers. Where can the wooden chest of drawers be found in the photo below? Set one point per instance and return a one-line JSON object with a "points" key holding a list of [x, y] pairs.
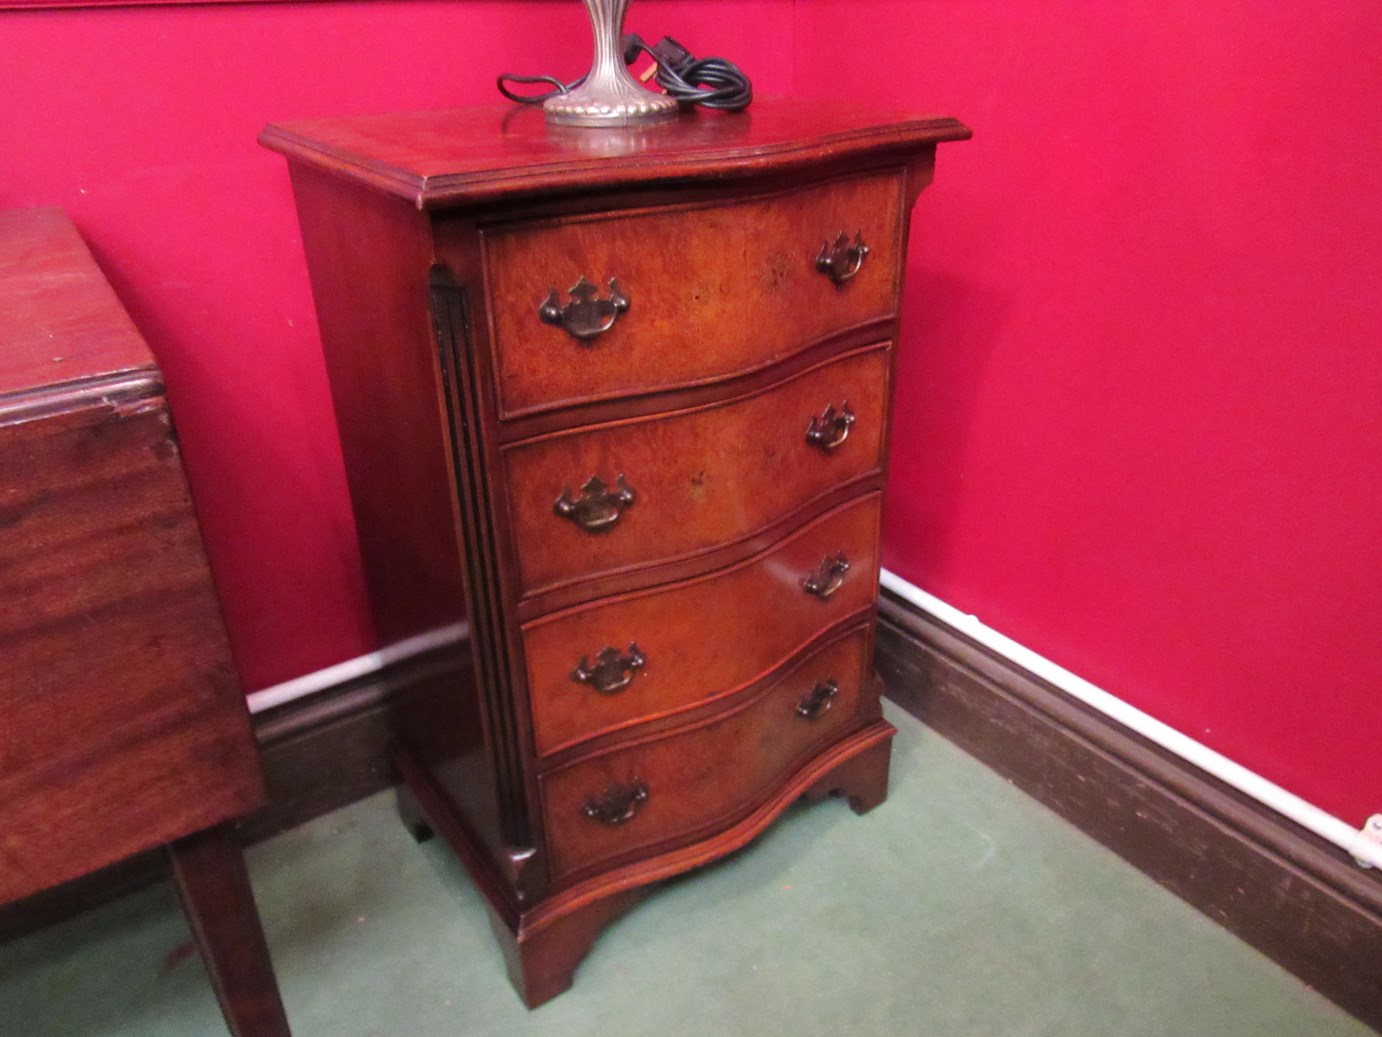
{"points": [[620, 398]]}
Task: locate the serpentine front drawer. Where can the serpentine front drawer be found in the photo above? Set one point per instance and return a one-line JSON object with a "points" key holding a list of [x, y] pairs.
{"points": [[701, 292], [612, 663], [628, 493], [672, 787]]}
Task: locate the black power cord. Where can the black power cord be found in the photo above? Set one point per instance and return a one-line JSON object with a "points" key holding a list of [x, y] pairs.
{"points": [[704, 82], [707, 82], [552, 81]]}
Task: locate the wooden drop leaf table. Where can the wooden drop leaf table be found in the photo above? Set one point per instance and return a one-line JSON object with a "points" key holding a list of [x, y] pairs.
{"points": [[124, 727]]}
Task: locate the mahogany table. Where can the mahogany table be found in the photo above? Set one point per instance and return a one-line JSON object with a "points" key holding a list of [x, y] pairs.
{"points": [[124, 725]]}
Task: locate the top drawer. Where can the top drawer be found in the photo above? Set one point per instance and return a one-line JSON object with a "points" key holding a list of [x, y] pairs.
{"points": [[711, 291]]}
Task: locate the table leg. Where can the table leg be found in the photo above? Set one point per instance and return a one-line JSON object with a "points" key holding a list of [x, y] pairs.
{"points": [[209, 871]]}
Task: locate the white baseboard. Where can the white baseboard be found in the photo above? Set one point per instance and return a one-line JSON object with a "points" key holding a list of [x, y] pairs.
{"points": [[353, 669], [1364, 845]]}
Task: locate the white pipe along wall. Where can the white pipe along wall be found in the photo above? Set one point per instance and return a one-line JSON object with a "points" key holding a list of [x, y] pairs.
{"points": [[1364, 846]]}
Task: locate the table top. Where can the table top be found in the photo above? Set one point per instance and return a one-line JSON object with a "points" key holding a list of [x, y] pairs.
{"points": [[63, 332]]}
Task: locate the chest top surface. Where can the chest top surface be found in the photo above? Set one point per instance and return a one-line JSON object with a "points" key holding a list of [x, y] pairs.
{"points": [[440, 158]]}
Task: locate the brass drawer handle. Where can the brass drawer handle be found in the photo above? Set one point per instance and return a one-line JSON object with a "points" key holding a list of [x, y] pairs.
{"points": [[598, 507], [818, 700], [612, 672], [842, 260], [585, 317], [618, 804], [828, 577], [831, 427]]}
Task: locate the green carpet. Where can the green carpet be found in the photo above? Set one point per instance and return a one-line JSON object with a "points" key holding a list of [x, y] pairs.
{"points": [[959, 907]]}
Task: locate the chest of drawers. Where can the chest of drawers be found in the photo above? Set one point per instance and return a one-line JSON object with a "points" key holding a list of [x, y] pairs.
{"points": [[619, 399]]}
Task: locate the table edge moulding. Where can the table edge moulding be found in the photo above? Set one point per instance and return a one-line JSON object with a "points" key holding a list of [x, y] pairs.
{"points": [[587, 381]]}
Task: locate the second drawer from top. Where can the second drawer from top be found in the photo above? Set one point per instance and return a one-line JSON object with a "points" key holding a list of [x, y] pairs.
{"points": [[635, 493]]}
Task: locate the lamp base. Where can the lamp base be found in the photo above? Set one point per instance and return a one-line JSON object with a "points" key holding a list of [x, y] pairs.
{"points": [[609, 96], [604, 108]]}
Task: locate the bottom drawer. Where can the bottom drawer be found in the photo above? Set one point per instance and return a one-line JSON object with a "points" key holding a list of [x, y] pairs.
{"points": [[691, 781]]}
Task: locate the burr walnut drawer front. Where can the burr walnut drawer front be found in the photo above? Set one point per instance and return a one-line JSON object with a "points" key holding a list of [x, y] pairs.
{"points": [[612, 663], [680, 785], [624, 494], [593, 307]]}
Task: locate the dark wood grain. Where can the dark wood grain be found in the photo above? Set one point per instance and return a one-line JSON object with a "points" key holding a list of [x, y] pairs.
{"points": [[125, 727], [319, 753], [486, 442], [60, 322], [124, 722]]}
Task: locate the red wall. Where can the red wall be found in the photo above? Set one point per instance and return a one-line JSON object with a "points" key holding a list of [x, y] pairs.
{"points": [[141, 122], [1140, 410], [1138, 427]]}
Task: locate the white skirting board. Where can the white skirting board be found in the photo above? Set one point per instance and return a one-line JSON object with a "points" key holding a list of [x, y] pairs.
{"points": [[1364, 846], [353, 669]]}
